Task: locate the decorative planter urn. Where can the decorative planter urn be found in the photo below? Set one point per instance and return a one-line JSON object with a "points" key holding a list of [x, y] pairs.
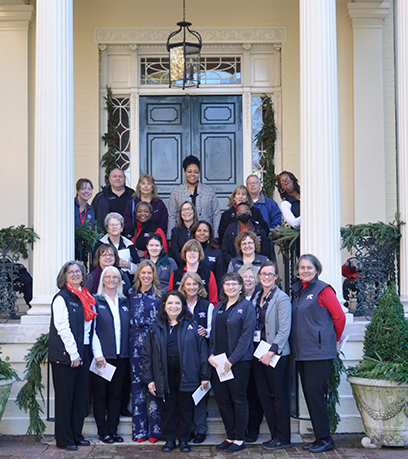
{"points": [[5, 388], [383, 406]]}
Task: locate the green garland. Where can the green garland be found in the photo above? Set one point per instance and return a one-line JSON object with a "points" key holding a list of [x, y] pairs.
{"points": [[333, 397], [109, 159], [265, 140], [284, 236], [27, 397], [18, 239]]}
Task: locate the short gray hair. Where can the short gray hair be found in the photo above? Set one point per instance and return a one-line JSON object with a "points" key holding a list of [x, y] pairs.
{"points": [[62, 275], [119, 290], [115, 215]]}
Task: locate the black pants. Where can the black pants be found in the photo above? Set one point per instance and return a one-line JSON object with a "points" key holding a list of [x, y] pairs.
{"points": [[107, 397], [231, 397], [71, 389], [256, 411], [177, 408], [273, 390], [314, 375]]}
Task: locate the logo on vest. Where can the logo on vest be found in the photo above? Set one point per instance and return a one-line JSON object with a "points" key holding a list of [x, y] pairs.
{"points": [[240, 311], [212, 259], [310, 297], [190, 327], [201, 315]]}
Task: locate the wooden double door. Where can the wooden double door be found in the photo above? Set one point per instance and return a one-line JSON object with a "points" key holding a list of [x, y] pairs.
{"points": [[209, 127]]}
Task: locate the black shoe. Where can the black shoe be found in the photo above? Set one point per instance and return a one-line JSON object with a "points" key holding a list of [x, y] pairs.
{"points": [[307, 446], [84, 443], [235, 448], [252, 437], [192, 436], [224, 445], [106, 438], [125, 412], [276, 444], [69, 447], [169, 447], [184, 447], [117, 438], [199, 438], [322, 445]]}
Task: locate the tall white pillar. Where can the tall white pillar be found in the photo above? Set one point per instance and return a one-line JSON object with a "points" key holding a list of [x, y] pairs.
{"points": [[369, 141], [402, 136], [319, 142], [53, 153]]}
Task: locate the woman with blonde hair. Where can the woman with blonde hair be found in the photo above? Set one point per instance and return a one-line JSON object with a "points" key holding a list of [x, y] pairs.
{"points": [[146, 190], [144, 306], [193, 254]]}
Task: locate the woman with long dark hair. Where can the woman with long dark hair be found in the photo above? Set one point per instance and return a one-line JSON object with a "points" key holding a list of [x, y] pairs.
{"points": [[174, 365]]}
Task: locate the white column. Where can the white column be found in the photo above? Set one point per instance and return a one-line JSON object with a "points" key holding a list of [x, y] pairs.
{"points": [[14, 24], [369, 142], [54, 152], [319, 161], [402, 135]]}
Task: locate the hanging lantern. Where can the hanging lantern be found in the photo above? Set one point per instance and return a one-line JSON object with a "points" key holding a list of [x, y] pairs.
{"points": [[184, 46]]}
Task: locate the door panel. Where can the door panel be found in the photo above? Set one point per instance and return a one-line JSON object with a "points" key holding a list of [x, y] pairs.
{"points": [[209, 127]]}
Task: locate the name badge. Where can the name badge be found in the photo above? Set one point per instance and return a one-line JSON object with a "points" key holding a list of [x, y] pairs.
{"points": [[257, 336]]}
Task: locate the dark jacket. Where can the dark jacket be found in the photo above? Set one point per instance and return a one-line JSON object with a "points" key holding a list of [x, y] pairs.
{"points": [[103, 203], [165, 267], [193, 353], [89, 214], [241, 327], [105, 329], [237, 262], [214, 262], [91, 276], [230, 216], [160, 215], [313, 335], [56, 348], [179, 236], [228, 243], [201, 312]]}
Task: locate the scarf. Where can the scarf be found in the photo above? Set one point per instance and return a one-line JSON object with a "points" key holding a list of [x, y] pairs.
{"points": [[87, 301]]}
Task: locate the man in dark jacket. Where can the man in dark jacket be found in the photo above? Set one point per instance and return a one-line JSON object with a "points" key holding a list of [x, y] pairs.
{"points": [[112, 198]]}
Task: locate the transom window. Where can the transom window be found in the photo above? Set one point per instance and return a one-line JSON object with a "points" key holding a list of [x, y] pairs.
{"points": [[214, 70]]}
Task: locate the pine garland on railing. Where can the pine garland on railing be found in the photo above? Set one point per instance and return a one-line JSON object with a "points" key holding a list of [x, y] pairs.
{"points": [[333, 397], [27, 397], [265, 140], [109, 159]]}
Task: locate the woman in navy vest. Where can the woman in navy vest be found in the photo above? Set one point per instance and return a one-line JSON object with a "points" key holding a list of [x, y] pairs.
{"points": [[69, 352], [110, 344], [317, 325], [193, 289], [144, 303]]}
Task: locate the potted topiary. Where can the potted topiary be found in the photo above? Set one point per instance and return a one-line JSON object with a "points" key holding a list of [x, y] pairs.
{"points": [[7, 376], [380, 381]]}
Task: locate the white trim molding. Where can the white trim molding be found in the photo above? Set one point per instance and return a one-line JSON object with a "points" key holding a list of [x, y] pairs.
{"points": [[15, 17], [153, 35]]}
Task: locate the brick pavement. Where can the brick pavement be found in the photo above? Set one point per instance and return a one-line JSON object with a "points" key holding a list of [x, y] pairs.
{"points": [[348, 447]]}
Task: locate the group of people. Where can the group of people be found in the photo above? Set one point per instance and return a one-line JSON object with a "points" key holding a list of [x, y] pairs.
{"points": [[171, 325]]}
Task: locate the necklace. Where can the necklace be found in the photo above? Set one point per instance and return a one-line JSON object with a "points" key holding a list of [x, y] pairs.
{"points": [[171, 328]]}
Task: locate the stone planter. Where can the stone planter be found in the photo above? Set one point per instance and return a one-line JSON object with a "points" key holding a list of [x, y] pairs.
{"points": [[383, 406], [5, 388]]}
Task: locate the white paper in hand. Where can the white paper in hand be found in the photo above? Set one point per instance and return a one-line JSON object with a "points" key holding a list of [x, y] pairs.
{"points": [[220, 360], [262, 349], [106, 372], [199, 393]]}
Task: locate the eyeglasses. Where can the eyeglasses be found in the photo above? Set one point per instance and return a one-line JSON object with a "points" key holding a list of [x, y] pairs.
{"points": [[230, 284], [248, 277], [192, 251], [189, 209], [246, 244], [266, 275], [76, 272], [114, 225], [285, 182], [107, 255]]}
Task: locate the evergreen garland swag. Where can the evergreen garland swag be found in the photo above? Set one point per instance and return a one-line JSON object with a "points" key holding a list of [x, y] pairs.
{"points": [[265, 140], [27, 397], [109, 159]]}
